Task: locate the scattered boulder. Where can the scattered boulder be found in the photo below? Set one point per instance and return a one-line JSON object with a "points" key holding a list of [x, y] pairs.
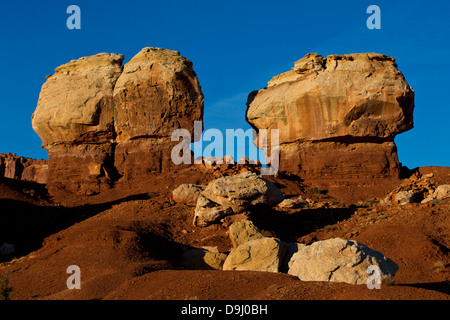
{"points": [[205, 258], [417, 188], [441, 192], [210, 162], [187, 194], [104, 124], [338, 260], [157, 93], [242, 191], [294, 203], [263, 254], [405, 197], [233, 195], [242, 231]]}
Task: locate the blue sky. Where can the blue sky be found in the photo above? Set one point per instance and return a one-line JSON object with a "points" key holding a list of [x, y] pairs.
{"points": [[236, 47]]}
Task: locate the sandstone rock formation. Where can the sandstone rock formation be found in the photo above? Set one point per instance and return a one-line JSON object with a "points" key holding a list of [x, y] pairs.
{"points": [[101, 122], [74, 118], [338, 260], [15, 167], [234, 194], [337, 116]]}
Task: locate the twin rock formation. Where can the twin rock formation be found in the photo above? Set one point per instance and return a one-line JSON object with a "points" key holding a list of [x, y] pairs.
{"points": [[103, 123]]}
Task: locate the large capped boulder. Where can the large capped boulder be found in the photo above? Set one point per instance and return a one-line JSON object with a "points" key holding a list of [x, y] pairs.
{"points": [[103, 124], [75, 103], [337, 116], [157, 93], [187, 193], [354, 95], [74, 118]]}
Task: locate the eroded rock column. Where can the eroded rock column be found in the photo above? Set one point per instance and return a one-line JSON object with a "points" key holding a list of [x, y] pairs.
{"points": [[104, 124], [337, 116]]}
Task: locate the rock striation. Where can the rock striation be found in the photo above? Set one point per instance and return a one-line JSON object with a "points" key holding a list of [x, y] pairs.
{"points": [[337, 116], [101, 121], [264, 254], [15, 167]]}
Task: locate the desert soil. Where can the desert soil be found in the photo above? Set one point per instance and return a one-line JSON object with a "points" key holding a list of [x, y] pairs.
{"points": [[129, 247]]}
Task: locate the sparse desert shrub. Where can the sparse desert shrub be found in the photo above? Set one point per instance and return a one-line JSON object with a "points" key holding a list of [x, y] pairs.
{"points": [[387, 281], [314, 190], [368, 203], [151, 195], [5, 289]]}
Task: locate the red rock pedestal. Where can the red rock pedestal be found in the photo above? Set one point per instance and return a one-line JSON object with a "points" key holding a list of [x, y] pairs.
{"points": [[340, 161]]}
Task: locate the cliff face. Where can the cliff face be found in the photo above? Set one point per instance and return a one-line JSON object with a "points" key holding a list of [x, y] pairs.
{"points": [[15, 167], [101, 122], [337, 116]]}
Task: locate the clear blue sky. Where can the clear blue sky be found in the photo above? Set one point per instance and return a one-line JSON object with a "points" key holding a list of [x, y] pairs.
{"points": [[236, 47]]}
